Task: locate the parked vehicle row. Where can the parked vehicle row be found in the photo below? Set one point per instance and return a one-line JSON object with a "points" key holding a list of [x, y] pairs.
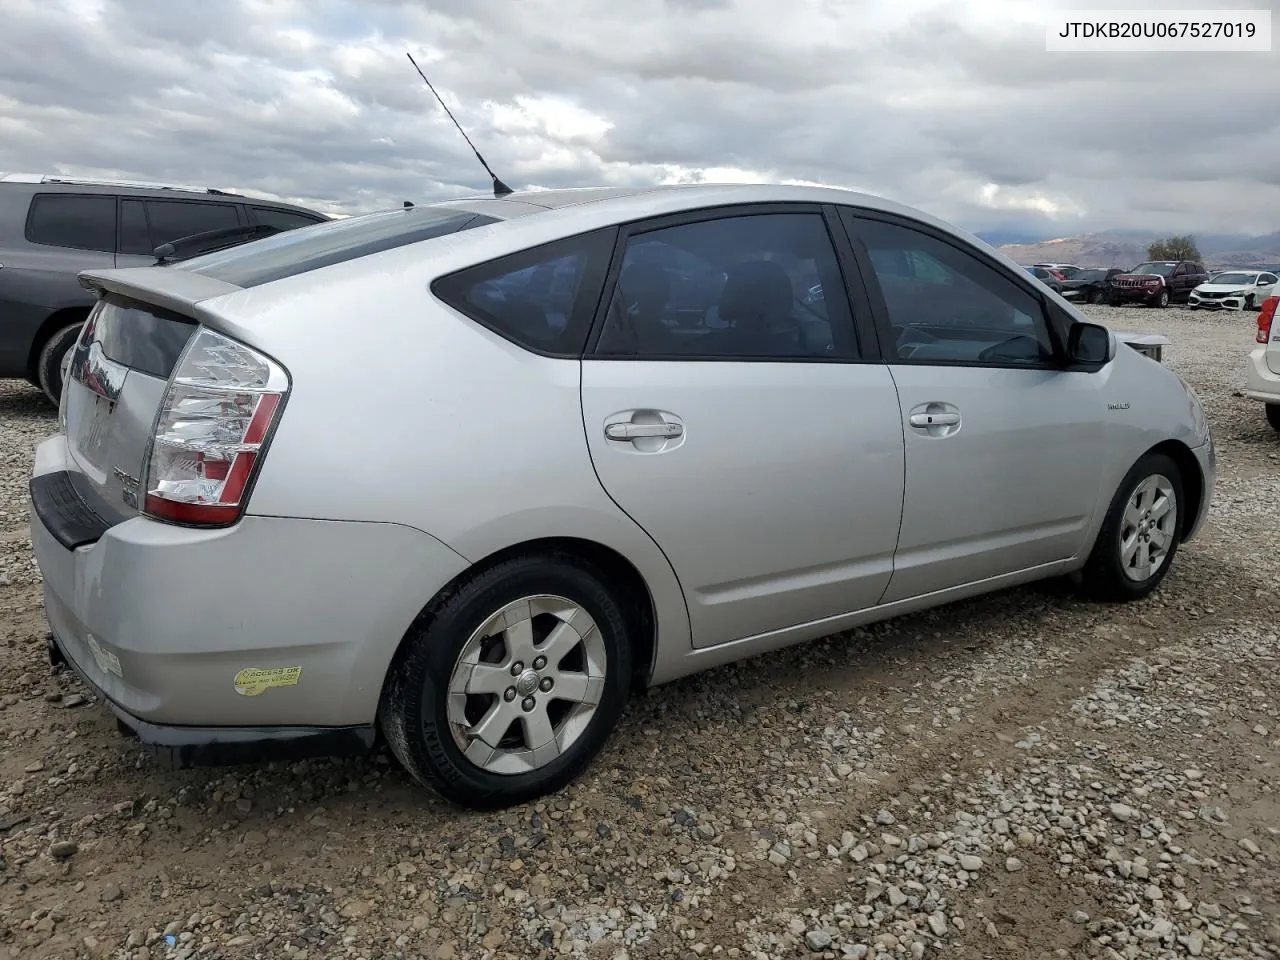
{"points": [[614, 436], [1158, 283], [53, 227]]}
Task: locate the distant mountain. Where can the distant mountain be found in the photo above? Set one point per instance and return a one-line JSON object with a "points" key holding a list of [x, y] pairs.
{"points": [[1127, 248]]}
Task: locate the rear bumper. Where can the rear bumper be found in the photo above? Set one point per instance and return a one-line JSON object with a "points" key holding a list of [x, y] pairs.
{"points": [[272, 623], [1261, 382], [176, 748]]}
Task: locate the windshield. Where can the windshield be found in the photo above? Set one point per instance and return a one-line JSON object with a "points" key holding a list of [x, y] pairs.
{"points": [[1235, 278], [1162, 269]]}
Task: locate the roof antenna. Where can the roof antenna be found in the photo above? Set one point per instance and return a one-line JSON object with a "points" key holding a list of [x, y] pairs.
{"points": [[500, 189]]}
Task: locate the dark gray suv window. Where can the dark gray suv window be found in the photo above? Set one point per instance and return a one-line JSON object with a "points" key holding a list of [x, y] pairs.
{"points": [[78, 221], [281, 219], [173, 219]]}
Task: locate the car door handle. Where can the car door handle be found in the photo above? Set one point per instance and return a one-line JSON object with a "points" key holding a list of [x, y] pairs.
{"points": [[934, 419], [633, 431]]}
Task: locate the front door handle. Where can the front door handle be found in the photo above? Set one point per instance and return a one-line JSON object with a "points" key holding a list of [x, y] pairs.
{"points": [[632, 431], [935, 419]]}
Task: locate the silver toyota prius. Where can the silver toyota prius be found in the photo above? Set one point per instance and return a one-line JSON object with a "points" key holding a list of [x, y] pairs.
{"points": [[462, 475]]}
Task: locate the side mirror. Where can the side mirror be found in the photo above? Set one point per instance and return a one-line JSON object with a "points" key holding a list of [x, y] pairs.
{"points": [[1089, 345]]}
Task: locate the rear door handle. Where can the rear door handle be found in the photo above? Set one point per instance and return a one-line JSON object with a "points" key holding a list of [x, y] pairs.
{"points": [[934, 419], [632, 431]]}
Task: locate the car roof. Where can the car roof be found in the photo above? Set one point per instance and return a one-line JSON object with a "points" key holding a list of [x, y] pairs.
{"points": [[60, 183]]}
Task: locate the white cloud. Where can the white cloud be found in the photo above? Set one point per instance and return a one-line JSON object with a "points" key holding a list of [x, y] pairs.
{"points": [[954, 107]]}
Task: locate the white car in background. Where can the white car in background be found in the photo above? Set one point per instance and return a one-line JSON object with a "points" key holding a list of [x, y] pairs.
{"points": [[1263, 381], [1235, 290]]}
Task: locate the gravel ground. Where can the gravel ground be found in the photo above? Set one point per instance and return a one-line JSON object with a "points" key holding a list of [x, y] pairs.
{"points": [[1023, 775]]}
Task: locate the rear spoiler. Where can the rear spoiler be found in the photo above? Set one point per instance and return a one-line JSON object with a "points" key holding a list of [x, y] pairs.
{"points": [[176, 290], [1149, 344]]}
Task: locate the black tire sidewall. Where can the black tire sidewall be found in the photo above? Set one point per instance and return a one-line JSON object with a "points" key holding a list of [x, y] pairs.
{"points": [[1273, 414], [49, 363], [1104, 574], [1163, 299], [419, 690]]}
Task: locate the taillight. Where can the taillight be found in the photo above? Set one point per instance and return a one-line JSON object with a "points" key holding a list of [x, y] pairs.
{"points": [[1267, 317], [217, 414]]}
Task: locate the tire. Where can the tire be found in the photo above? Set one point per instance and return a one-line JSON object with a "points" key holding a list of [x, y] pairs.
{"points": [[49, 363], [1249, 303], [1162, 301], [1093, 296], [1273, 415], [424, 725], [1108, 575]]}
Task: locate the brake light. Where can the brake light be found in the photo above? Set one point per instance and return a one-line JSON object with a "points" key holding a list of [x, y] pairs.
{"points": [[217, 414], [1266, 317]]}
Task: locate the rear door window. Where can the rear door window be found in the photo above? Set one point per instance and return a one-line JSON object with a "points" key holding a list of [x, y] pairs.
{"points": [[78, 221], [174, 219]]}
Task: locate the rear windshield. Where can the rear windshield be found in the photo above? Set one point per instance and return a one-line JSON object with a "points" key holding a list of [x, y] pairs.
{"points": [[325, 244]]}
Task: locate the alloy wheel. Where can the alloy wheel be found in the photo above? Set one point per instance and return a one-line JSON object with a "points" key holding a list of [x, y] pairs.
{"points": [[1148, 528], [526, 684]]}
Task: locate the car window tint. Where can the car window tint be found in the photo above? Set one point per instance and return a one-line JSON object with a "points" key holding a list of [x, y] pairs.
{"points": [[762, 286], [73, 220], [541, 298], [134, 237], [945, 305], [282, 219], [174, 219]]}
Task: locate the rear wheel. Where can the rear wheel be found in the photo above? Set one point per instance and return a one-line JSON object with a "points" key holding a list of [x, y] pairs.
{"points": [[1094, 295], [1139, 536], [55, 360], [1273, 415], [513, 685]]}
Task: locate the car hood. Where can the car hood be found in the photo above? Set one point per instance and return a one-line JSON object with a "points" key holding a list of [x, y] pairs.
{"points": [[1223, 287], [1137, 276]]}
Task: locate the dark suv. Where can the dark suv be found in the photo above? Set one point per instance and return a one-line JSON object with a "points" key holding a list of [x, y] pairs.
{"points": [[51, 228], [1157, 283]]}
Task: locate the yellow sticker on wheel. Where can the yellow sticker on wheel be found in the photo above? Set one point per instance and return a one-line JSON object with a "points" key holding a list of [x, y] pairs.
{"points": [[252, 681]]}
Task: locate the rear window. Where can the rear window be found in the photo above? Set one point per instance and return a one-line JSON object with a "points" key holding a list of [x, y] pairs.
{"points": [[142, 337], [77, 221], [325, 244]]}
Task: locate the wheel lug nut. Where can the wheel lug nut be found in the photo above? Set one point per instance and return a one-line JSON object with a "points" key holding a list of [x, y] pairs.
{"points": [[528, 704], [509, 694], [517, 668], [539, 663], [546, 684]]}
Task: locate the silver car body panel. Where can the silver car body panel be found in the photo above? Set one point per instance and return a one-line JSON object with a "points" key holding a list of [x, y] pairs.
{"points": [[436, 443]]}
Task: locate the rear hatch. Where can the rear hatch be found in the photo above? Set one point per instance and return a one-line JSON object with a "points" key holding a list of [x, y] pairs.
{"points": [[117, 377], [136, 333]]}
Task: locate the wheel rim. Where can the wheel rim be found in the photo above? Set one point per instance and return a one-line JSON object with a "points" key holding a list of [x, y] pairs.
{"points": [[1148, 528], [526, 685]]}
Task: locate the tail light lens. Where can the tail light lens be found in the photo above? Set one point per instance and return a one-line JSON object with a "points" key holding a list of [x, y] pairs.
{"points": [[219, 410], [1266, 318]]}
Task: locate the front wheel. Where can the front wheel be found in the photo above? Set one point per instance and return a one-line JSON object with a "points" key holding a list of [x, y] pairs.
{"points": [[1163, 299], [1273, 415], [513, 685], [55, 360], [1140, 534], [1249, 303]]}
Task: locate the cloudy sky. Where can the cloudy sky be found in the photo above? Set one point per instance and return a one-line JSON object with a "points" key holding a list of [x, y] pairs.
{"points": [[954, 107]]}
